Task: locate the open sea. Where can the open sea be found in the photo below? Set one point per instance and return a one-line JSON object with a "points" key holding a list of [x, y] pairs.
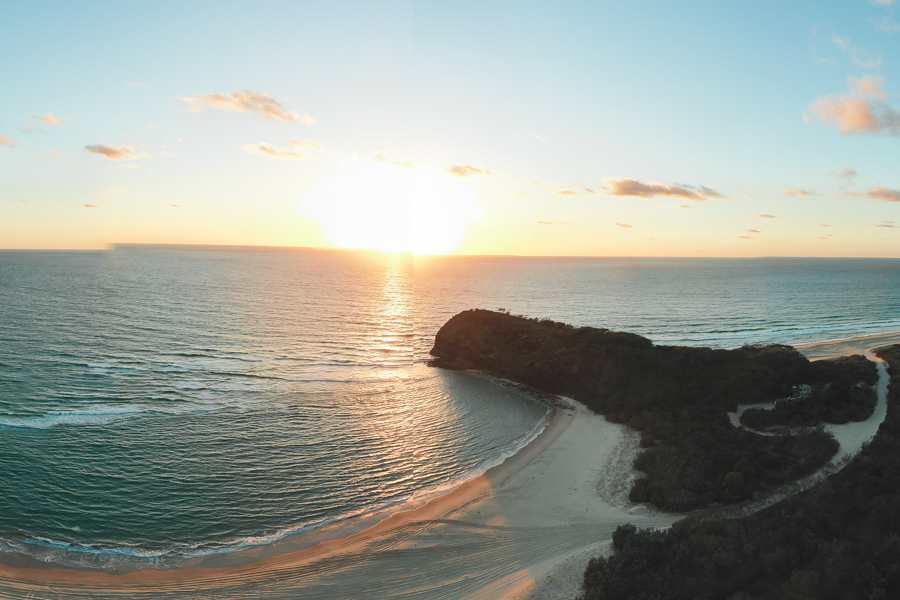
{"points": [[161, 403]]}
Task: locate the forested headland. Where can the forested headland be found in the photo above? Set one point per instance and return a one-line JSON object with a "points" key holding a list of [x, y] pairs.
{"points": [[677, 397], [839, 540]]}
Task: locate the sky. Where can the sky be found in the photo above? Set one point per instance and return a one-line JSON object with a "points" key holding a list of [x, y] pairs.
{"points": [[527, 128]]}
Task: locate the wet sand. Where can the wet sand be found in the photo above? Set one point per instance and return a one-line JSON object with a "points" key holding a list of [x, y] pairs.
{"points": [[525, 529], [857, 345]]}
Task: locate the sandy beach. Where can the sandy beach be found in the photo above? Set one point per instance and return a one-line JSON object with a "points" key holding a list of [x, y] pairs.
{"points": [[523, 530]]}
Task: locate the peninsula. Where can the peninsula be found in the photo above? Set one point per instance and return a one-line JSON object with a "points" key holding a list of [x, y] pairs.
{"points": [[677, 397]]}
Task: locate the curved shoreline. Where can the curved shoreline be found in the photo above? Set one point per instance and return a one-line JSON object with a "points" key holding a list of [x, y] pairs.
{"points": [[119, 560], [319, 542], [543, 498]]}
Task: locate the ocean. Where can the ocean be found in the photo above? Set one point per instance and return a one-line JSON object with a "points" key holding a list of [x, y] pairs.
{"points": [[163, 403]]}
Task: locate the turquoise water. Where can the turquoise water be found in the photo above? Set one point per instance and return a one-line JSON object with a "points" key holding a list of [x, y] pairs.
{"points": [[156, 405], [160, 403]]}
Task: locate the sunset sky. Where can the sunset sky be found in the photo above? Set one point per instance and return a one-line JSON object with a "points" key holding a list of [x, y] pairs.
{"points": [[565, 128]]}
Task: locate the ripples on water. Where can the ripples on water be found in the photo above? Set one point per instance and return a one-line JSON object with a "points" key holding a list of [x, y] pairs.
{"points": [[163, 403]]}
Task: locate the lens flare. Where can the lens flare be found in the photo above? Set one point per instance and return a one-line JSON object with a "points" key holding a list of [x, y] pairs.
{"points": [[393, 206]]}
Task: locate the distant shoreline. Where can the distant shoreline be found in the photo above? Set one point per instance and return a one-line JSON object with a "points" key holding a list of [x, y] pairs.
{"points": [[285, 557]]}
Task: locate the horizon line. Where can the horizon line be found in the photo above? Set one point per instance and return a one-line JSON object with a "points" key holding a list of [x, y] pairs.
{"points": [[114, 246]]}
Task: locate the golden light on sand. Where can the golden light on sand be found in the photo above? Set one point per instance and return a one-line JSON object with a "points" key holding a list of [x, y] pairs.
{"points": [[393, 206]]}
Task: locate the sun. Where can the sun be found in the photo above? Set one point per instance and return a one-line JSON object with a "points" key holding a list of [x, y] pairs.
{"points": [[391, 205]]}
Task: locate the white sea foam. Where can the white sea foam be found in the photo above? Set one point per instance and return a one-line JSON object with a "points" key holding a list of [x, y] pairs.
{"points": [[96, 415]]}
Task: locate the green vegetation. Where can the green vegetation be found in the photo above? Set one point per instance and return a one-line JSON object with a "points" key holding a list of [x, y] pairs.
{"points": [[843, 391], [838, 540], [676, 396]]}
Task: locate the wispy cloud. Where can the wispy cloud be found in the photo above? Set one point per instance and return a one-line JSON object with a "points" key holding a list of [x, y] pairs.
{"points": [[466, 171], [136, 84], [754, 230], [789, 191], [305, 145], [884, 2], [91, 206], [685, 206], [886, 225], [625, 225], [165, 153], [5, 141], [744, 237], [824, 225], [765, 216], [175, 206], [397, 162], [115, 152], [853, 194], [860, 56], [847, 173], [49, 119], [863, 111], [564, 190], [886, 24], [624, 186], [257, 103], [884, 194], [264, 149], [540, 138], [53, 153]]}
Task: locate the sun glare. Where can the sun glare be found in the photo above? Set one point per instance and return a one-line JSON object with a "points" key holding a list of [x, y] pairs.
{"points": [[393, 206]]}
